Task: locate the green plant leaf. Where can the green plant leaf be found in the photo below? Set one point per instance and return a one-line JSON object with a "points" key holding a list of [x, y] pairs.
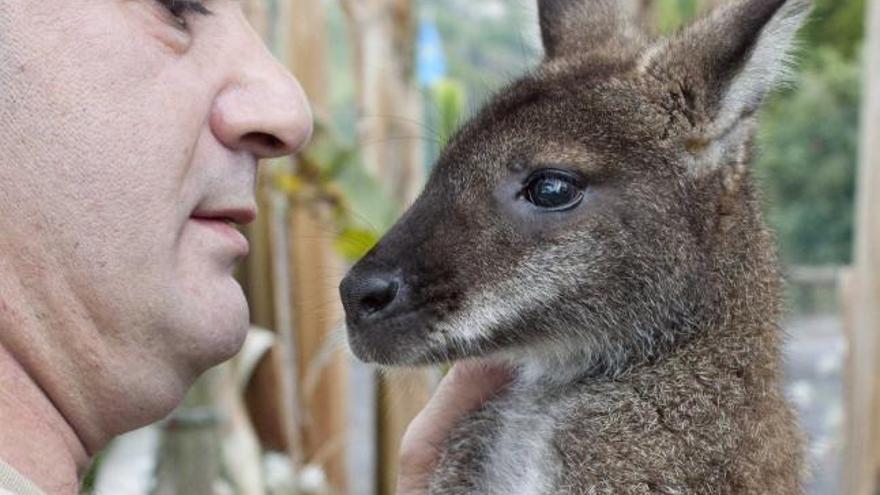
{"points": [[354, 243]]}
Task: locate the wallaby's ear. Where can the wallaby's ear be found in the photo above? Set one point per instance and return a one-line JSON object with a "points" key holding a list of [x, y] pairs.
{"points": [[579, 27], [722, 68]]}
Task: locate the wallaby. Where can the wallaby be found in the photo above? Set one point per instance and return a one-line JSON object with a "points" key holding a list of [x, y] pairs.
{"points": [[597, 226]]}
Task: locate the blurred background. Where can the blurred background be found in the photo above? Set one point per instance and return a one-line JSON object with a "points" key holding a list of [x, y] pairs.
{"points": [[389, 81]]}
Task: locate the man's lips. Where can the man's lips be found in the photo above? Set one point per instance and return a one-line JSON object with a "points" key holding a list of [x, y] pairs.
{"points": [[240, 216], [225, 228]]}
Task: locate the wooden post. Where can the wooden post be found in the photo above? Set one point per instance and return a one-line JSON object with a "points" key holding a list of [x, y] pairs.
{"points": [[863, 388]]}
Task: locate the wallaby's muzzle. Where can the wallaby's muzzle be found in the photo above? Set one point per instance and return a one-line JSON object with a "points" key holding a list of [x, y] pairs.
{"points": [[382, 321], [399, 296], [371, 297]]}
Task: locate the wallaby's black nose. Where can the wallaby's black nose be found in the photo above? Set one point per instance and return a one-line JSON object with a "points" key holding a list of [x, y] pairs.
{"points": [[369, 295]]}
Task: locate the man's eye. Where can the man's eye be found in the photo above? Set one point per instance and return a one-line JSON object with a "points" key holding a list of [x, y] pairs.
{"points": [[553, 190], [180, 8]]}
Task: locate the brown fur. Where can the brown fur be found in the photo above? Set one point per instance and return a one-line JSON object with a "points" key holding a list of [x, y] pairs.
{"points": [[643, 319]]}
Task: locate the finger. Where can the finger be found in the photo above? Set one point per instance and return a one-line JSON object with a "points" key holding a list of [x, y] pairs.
{"points": [[464, 389]]}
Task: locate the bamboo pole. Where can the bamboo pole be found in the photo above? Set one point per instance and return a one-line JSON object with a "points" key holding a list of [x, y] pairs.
{"points": [[863, 388], [382, 40], [257, 271], [265, 393], [323, 376], [402, 394], [269, 394], [285, 356], [316, 273]]}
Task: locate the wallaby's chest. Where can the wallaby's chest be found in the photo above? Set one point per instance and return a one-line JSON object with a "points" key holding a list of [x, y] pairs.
{"points": [[517, 454], [520, 458]]}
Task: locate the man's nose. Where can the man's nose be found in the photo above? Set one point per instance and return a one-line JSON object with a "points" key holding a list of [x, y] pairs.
{"points": [[264, 111]]}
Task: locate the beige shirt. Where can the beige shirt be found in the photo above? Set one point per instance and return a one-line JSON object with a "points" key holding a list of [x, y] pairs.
{"points": [[14, 483]]}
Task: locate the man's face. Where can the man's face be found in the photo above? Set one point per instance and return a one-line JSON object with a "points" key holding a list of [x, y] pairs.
{"points": [[128, 141]]}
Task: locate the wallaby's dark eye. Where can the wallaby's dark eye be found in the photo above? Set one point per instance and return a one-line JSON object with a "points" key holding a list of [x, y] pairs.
{"points": [[553, 190]]}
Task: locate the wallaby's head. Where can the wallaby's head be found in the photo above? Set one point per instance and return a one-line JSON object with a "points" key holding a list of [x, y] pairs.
{"points": [[599, 207]]}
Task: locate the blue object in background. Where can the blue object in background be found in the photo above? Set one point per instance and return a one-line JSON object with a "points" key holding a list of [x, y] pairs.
{"points": [[430, 58]]}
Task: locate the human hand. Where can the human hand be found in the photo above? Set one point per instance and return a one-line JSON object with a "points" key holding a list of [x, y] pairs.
{"points": [[465, 388]]}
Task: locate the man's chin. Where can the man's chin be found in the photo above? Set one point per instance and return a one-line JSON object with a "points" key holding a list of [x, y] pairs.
{"points": [[217, 327], [231, 332]]}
